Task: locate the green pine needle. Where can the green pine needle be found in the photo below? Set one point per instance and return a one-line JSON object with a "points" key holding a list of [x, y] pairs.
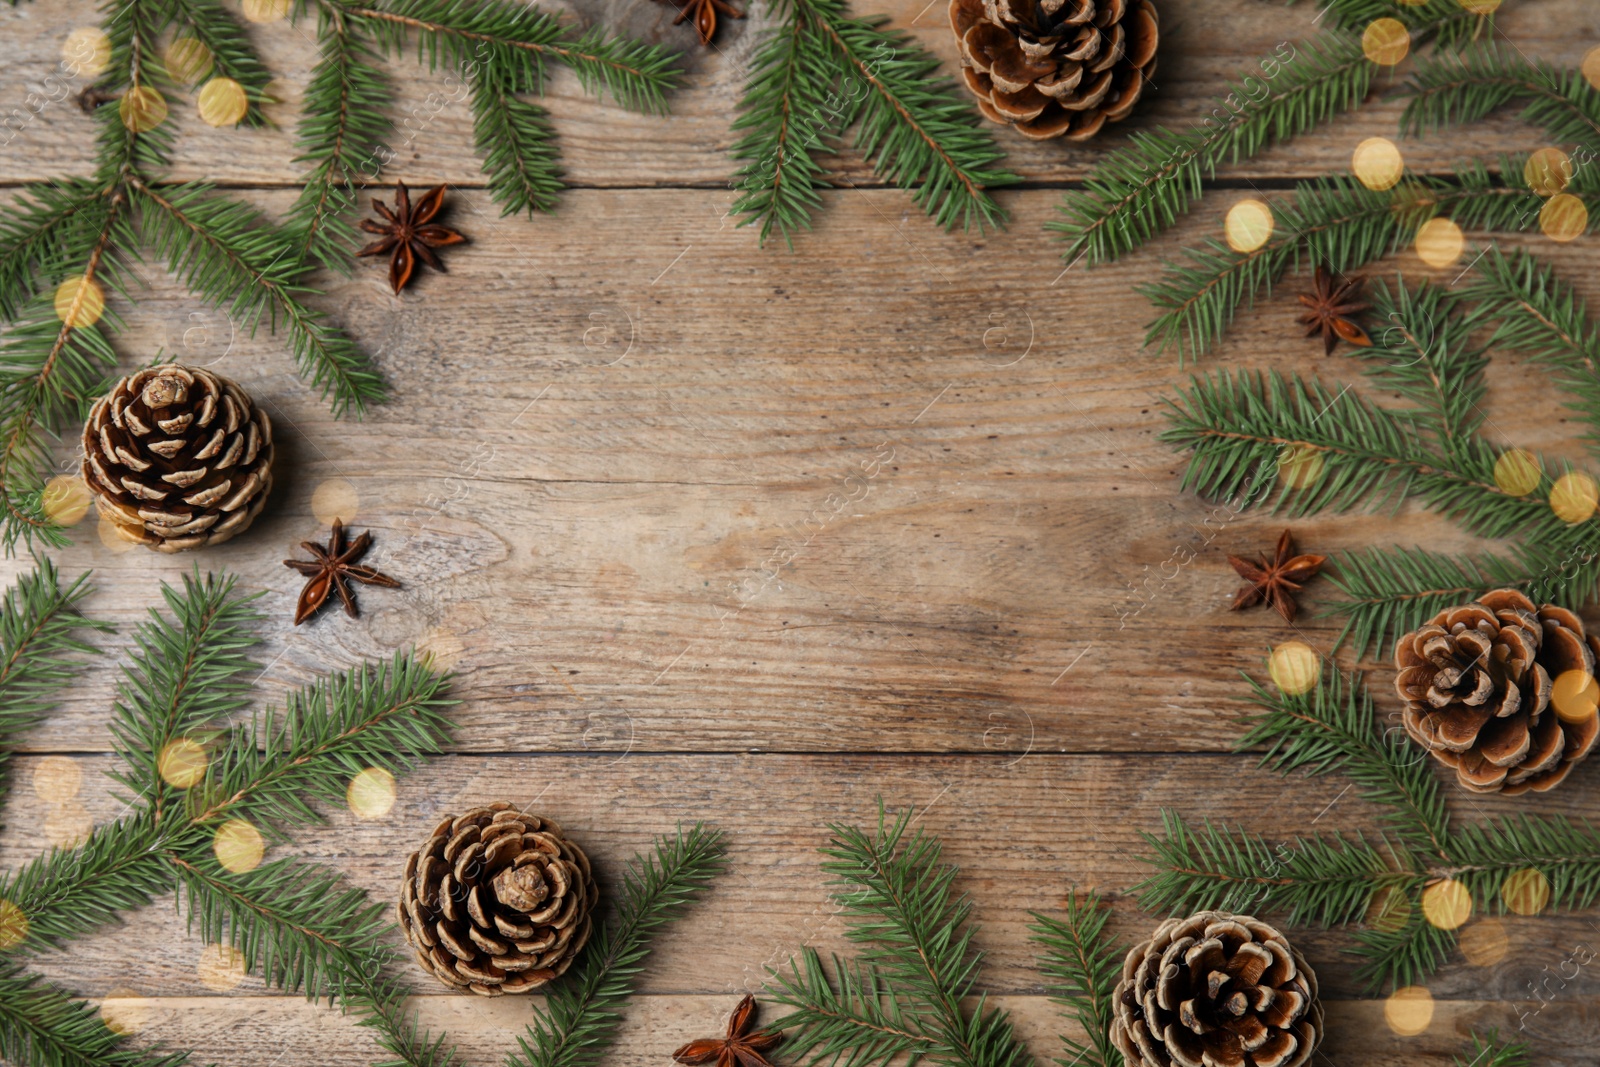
{"points": [[1490, 1051], [41, 1026], [1084, 964], [1452, 89], [232, 55], [518, 144], [852, 1018], [582, 1011]]}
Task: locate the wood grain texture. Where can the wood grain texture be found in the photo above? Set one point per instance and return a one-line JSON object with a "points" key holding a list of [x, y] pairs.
{"points": [[717, 532]]}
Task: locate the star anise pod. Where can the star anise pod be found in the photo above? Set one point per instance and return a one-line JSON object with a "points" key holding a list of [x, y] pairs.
{"points": [[1334, 307], [705, 15], [1276, 582], [334, 568], [409, 233], [741, 1048]]}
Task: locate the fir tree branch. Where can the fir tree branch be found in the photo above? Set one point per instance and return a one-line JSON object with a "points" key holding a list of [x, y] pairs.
{"points": [[232, 55], [1491, 1051], [582, 1013], [860, 1023], [1452, 89], [519, 148], [1402, 952], [220, 249], [1084, 963], [1423, 350], [41, 1026], [37, 237], [896, 895], [1449, 23]]}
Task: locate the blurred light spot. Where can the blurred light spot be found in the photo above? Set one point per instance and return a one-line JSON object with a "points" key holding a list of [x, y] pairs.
{"points": [[1409, 1010], [238, 846], [334, 499], [1300, 466], [56, 779], [182, 763], [65, 499], [1481, 7], [1591, 66], [221, 967], [1389, 910], [265, 10], [1564, 218], [188, 60], [1574, 496], [1526, 892], [1440, 242], [68, 825], [1386, 41], [124, 1011], [1548, 171], [1517, 472], [1575, 695], [80, 302], [86, 52], [1447, 904], [223, 102], [112, 537], [371, 793], [1485, 943], [13, 925], [1295, 667], [440, 649], [1377, 163], [142, 109], [1249, 225]]}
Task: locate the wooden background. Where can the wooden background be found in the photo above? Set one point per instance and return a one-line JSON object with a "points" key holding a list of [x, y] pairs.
{"points": [[607, 421]]}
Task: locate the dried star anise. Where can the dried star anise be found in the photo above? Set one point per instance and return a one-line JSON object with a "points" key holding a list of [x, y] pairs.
{"points": [[740, 1048], [705, 15], [1276, 582], [1334, 307], [409, 233], [334, 567]]}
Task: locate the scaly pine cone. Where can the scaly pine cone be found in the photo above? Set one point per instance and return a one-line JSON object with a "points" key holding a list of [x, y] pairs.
{"points": [[1216, 990], [497, 901], [1478, 683], [1054, 68], [177, 458]]}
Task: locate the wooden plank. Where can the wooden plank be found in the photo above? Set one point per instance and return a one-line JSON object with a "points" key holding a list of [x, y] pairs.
{"points": [[1203, 49], [895, 494]]}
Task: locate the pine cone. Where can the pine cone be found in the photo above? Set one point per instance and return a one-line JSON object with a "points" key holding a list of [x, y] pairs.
{"points": [[1216, 990], [177, 458], [497, 901], [1477, 682], [1055, 68]]}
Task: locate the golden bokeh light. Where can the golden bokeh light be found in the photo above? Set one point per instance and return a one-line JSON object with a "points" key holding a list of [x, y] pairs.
{"points": [[238, 846], [86, 52], [142, 109], [1517, 472], [1409, 1010], [370, 793], [1249, 225], [1526, 892], [440, 649], [1386, 41], [112, 537], [223, 102], [334, 498], [1447, 904], [80, 302], [1300, 466], [1564, 218], [1389, 910], [221, 968], [182, 763], [1591, 66], [1295, 667], [65, 499], [13, 925], [56, 780], [265, 10], [1575, 695], [1481, 7], [68, 825], [1574, 496], [124, 1011], [1485, 943], [1547, 171], [1440, 242], [1377, 163], [188, 60]]}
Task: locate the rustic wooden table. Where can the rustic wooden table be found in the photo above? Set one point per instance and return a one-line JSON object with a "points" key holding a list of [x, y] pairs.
{"points": [[606, 425]]}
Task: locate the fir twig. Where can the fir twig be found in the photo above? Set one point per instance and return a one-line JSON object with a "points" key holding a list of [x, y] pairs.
{"points": [[1491, 1051], [582, 1013], [41, 1026], [853, 1019], [232, 55], [1084, 963], [1454, 88]]}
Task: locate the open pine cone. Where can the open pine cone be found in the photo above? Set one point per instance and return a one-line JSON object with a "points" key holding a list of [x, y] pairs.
{"points": [[497, 901], [1478, 683], [177, 458], [1216, 990], [1054, 68]]}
